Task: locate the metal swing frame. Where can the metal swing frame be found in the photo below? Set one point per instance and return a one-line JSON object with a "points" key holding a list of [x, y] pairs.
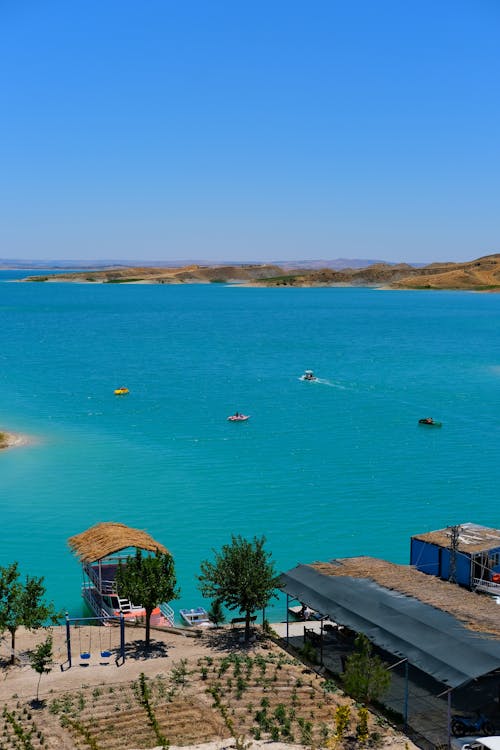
{"points": [[86, 655]]}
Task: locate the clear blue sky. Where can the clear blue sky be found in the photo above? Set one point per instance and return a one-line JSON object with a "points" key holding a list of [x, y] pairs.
{"points": [[249, 130]]}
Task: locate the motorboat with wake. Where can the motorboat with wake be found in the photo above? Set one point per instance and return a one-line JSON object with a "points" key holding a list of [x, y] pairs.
{"points": [[430, 422], [308, 375]]}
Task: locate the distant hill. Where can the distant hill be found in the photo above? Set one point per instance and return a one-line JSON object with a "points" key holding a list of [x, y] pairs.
{"points": [[53, 265], [191, 274], [336, 263], [482, 274]]}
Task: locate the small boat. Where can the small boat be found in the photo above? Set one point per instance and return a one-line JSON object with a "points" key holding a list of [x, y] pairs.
{"points": [[197, 617], [430, 421], [302, 612], [308, 375], [238, 417], [121, 391]]}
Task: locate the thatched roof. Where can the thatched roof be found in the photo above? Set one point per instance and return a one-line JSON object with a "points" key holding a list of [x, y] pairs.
{"points": [[472, 538], [477, 612], [106, 538]]}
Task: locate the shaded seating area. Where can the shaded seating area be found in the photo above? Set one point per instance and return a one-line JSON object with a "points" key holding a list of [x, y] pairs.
{"points": [[442, 642]]}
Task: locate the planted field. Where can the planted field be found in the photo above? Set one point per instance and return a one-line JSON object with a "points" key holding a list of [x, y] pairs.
{"points": [[267, 696]]}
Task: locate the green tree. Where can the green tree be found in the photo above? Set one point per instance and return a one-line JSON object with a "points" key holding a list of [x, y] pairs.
{"points": [[148, 580], [216, 613], [22, 604], [365, 676], [242, 577], [41, 660]]}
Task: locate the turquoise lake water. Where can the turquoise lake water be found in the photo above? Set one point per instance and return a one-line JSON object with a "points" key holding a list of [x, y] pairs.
{"points": [[323, 470]]}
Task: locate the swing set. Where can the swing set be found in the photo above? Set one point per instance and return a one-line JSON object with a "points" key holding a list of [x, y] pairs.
{"points": [[85, 640]]}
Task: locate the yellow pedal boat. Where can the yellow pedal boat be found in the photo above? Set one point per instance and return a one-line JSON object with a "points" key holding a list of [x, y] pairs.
{"points": [[121, 391]]}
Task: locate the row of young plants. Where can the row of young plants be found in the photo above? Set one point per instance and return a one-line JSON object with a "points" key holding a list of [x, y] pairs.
{"points": [[16, 733], [143, 694], [76, 709], [82, 730], [232, 675], [292, 722]]}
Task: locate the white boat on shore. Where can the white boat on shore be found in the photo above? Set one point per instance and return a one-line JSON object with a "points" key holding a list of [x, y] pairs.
{"points": [[197, 617]]}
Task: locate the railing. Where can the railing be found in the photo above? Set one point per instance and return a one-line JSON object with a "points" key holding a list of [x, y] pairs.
{"points": [[106, 587], [88, 594], [167, 612], [483, 585]]}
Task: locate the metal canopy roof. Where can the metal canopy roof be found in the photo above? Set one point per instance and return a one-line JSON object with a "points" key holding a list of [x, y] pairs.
{"points": [[432, 640]]}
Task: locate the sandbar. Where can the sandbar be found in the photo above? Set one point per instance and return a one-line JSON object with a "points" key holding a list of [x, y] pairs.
{"points": [[13, 440]]}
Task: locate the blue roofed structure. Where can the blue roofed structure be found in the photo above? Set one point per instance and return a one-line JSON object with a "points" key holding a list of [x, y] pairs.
{"points": [[474, 561]]}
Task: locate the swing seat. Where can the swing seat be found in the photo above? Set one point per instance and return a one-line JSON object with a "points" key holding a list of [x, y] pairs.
{"points": [[85, 655], [105, 654]]}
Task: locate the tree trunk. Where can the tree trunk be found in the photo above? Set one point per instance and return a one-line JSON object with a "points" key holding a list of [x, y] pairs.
{"points": [[247, 625], [38, 686], [148, 626], [12, 645]]}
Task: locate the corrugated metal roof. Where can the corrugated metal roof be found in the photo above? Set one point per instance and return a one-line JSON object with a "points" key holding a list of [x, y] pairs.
{"points": [[432, 640]]}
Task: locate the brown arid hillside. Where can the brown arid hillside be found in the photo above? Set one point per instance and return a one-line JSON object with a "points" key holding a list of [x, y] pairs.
{"points": [[192, 274], [482, 274], [374, 275]]}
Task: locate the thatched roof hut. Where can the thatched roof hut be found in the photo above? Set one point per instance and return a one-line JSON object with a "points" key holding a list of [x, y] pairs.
{"points": [[106, 538]]}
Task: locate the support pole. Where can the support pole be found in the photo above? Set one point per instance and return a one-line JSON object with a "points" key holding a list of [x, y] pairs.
{"points": [[449, 719], [406, 697], [287, 620], [321, 643], [122, 637], [68, 640]]}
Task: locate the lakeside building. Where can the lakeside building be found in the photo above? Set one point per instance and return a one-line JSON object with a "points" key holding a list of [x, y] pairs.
{"points": [[101, 550], [440, 642], [469, 554]]}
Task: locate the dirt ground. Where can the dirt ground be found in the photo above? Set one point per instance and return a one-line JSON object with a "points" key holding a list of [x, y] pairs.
{"points": [[204, 693]]}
